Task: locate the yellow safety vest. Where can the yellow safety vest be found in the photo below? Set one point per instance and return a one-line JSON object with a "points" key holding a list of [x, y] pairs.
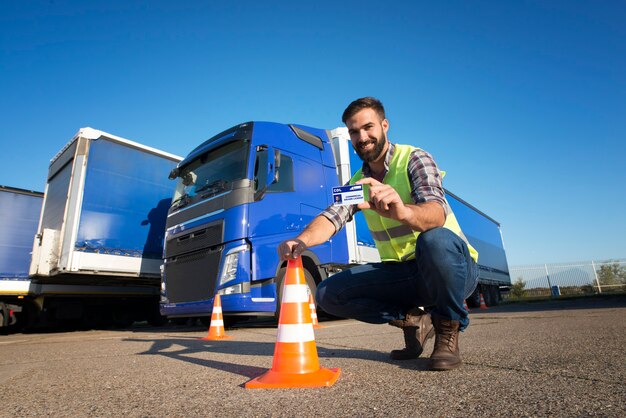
{"points": [[394, 240]]}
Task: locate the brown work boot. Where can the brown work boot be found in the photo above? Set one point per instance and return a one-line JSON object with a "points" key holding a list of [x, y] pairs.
{"points": [[412, 318], [417, 328], [446, 355]]}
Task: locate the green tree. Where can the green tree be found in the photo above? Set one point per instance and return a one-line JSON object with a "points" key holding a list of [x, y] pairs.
{"points": [[518, 290], [612, 274]]}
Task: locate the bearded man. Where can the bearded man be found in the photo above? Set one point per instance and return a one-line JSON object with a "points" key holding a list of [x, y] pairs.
{"points": [[427, 267]]}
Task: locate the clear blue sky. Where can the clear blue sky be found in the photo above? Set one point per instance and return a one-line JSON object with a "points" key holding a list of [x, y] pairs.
{"points": [[523, 103]]}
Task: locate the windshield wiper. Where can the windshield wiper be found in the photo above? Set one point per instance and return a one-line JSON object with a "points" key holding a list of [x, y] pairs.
{"points": [[181, 201], [213, 188]]}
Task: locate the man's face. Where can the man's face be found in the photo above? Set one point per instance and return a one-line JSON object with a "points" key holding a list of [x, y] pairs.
{"points": [[368, 134]]}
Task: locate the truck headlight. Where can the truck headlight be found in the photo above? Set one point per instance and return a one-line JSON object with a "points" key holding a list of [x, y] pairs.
{"points": [[231, 263]]}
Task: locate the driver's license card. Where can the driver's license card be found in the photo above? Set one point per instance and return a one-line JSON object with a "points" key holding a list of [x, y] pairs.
{"points": [[348, 195]]}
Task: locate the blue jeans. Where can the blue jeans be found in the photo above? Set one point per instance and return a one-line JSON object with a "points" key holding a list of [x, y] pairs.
{"points": [[440, 277]]}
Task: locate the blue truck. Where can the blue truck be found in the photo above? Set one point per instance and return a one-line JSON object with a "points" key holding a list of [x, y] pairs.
{"points": [[243, 191], [96, 236]]}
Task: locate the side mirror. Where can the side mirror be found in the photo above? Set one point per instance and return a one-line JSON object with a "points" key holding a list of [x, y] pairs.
{"points": [[268, 169], [273, 166], [173, 174]]}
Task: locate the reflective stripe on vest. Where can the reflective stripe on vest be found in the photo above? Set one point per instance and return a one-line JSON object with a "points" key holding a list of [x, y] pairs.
{"points": [[394, 240]]}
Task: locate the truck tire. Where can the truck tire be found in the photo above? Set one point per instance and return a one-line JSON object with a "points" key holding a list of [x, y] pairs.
{"points": [[280, 279]]}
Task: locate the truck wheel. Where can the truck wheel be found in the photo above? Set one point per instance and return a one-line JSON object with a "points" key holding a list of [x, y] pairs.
{"points": [[280, 279]]}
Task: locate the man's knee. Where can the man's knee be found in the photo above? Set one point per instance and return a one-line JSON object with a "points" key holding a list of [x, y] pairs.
{"points": [[324, 296], [436, 241]]}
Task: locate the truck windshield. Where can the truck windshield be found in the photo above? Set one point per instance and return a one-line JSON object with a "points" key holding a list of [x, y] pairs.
{"points": [[212, 172]]}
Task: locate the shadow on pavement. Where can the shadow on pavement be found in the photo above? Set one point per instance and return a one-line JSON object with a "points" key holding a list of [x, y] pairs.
{"points": [[186, 348], [183, 349]]}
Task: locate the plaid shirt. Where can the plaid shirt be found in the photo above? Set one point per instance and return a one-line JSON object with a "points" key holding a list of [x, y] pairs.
{"points": [[425, 182]]}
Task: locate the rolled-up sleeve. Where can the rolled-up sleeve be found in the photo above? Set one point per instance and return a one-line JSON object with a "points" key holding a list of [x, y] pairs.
{"points": [[425, 178], [339, 215]]}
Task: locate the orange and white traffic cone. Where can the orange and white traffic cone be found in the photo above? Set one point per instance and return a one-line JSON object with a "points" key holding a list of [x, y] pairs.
{"points": [[295, 363], [216, 329], [465, 305], [483, 305], [314, 320]]}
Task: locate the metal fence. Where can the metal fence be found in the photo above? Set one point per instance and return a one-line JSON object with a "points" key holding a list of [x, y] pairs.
{"points": [[554, 280]]}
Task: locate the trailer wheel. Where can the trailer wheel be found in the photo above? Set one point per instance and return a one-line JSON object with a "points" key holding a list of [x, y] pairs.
{"points": [[280, 279], [487, 295], [122, 318], [16, 322], [494, 295], [4, 315], [473, 300]]}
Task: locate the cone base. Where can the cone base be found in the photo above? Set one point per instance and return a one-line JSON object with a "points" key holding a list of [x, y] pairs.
{"points": [[223, 337], [274, 380]]}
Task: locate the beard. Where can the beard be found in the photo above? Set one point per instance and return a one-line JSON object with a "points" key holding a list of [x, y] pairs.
{"points": [[374, 153]]}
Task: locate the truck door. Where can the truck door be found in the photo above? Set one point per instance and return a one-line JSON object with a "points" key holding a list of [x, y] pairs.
{"points": [[285, 207]]}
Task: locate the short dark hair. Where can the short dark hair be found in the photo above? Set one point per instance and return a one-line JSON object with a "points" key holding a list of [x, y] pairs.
{"points": [[364, 103]]}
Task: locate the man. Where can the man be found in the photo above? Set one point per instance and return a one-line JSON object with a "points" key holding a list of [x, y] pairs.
{"points": [[426, 261]]}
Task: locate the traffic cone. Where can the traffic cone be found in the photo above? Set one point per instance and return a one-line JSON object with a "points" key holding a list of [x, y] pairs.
{"points": [[295, 363], [314, 320], [216, 329], [483, 305], [465, 305]]}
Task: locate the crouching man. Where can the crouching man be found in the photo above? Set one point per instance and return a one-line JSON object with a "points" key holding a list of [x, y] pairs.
{"points": [[425, 259]]}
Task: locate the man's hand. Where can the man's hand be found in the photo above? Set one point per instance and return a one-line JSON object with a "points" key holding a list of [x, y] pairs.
{"points": [[384, 200], [291, 249], [318, 231]]}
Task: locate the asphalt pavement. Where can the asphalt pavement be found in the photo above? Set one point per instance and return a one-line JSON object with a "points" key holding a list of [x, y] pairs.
{"points": [[558, 358]]}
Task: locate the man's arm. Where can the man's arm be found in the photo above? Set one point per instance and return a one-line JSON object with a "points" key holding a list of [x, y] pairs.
{"points": [[385, 201], [317, 232], [425, 179]]}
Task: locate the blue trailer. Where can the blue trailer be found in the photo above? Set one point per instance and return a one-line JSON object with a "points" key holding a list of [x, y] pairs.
{"points": [[243, 191], [20, 211], [485, 235], [96, 253]]}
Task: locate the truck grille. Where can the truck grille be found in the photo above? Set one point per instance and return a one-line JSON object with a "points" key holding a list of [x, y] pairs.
{"points": [[192, 277], [195, 239]]}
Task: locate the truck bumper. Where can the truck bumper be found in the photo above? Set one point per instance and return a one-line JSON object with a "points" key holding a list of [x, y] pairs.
{"points": [[236, 304]]}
